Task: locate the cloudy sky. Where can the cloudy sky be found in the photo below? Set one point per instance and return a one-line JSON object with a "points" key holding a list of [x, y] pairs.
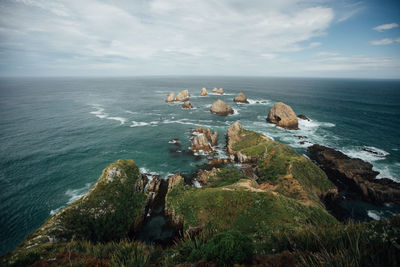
{"points": [[321, 38]]}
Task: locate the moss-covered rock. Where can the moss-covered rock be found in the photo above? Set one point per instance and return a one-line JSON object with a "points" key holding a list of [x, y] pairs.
{"points": [[107, 212]]}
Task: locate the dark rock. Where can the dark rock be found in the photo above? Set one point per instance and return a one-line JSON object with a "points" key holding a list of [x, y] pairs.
{"points": [[355, 175], [303, 117]]}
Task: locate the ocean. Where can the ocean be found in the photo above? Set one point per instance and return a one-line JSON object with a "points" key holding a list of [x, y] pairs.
{"points": [[58, 134]]}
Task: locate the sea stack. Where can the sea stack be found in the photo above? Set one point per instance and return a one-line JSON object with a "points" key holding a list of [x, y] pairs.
{"points": [[283, 115], [204, 92], [241, 98], [218, 91], [170, 97], [203, 139], [183, 96], [187, 104], [219, 107]]}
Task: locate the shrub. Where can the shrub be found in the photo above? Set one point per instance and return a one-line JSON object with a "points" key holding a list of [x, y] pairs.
{"points": [[228, 248], [130, 254]]}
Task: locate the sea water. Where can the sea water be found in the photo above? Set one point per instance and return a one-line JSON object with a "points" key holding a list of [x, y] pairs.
{"points": [[58, 134]]}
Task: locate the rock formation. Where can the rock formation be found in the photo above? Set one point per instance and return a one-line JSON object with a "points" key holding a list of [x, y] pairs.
{"points": [[187, 104], [183, 96], [241, 98], [218, 91], [170, 97], [283, 116], [303, 117], [203, 139], [204, 92], [219, 107], [355, 175]]}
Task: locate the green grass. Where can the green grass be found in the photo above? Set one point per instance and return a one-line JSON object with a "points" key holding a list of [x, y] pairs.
{"points": [[224, 177], [249, 212]]}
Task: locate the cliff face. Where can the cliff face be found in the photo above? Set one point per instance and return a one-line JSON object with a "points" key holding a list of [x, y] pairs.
{"points": [[113, 205]]}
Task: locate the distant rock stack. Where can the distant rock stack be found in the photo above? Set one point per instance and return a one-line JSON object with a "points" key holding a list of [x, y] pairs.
{"points": [[170, 97], [204, 92], [218, 91], [183, 96], [283, 115], [241, 98], [187, 105], [219, 107]]}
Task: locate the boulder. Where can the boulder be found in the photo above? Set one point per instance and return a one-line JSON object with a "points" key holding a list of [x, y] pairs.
{"points": [[183, 96], [204, 92], [241, 98], [219, 107], [170, 97], [355, 176], [283, 116], [187, 104], [303, 117], [218, 91]]}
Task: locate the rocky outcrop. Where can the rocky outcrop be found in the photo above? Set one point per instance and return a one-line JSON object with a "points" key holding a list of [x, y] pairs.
{"points": [[219, 107], [183, 96], [203, 92], [241, 98], [303, 117], [283, 116], [187, 105], [203, 176], [355, 176], [170, 98], [218, 91], [232, 136], [203, 139]]}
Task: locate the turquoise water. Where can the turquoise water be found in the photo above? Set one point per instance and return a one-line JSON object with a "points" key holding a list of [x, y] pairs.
{"points": [[58, 134]]}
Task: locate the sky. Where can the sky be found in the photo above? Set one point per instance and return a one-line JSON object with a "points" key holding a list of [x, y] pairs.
{"points": [[288, 38]]}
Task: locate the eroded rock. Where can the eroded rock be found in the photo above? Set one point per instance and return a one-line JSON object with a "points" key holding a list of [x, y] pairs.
{"points": [[219, 107], [241, 98], [283, 116], [355, 175]]}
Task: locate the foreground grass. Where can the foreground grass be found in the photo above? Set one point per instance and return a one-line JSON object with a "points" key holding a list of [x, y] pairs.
{"points": [[340, 244]]}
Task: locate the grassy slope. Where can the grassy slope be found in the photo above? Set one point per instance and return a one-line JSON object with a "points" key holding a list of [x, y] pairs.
{"points": [[106, 213], [278, 165]]}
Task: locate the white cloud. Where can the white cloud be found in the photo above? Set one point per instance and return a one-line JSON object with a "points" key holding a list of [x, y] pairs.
{"points": [[156, 32], [385, 41], [385, 27], [327, 53]]}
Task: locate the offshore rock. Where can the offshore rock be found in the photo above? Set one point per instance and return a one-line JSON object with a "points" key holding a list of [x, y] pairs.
{"points": [[355, 175], [241, 98], [303, 117], [204, 92], [218, 91], [183, 96], [187, 105], [219, 107], [203, 139], [170, 97], [283, 116]]}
